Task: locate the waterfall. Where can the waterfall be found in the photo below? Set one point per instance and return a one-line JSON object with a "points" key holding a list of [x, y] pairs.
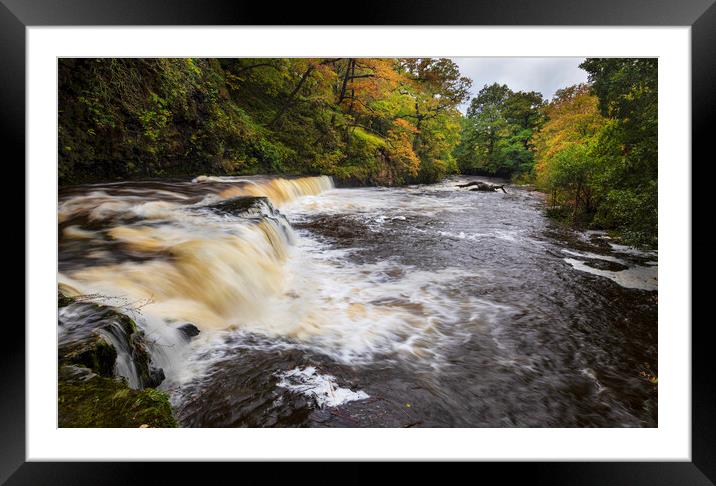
{"points": [[206, 263]]}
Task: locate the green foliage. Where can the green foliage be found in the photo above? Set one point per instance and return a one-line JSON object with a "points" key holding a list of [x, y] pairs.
{"points": [[139, 117], [497, 132], [369, 141], [368, 121], [597, 154], [628, 148]]}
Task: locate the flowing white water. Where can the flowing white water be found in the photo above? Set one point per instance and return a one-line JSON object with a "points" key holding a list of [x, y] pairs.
{"points": [[635, 277], [225, 273]]}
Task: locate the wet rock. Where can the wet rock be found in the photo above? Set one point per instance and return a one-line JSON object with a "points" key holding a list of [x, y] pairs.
{"points": [[606, 265], [95, 353], [243, 205], [74, 373], [483, 186], [155, 378], [336, 227], [188, 331], [92, 346], [108, 343], [63, 300]]}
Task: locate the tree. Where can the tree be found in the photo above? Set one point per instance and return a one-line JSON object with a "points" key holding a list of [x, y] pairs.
{"points": [[565, 167], [628, 94], [597, 153], [496, 136], [438, 86], [433, 89]]}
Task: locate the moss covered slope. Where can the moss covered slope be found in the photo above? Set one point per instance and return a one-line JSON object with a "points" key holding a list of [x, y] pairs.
{"points": [[95, 401]]}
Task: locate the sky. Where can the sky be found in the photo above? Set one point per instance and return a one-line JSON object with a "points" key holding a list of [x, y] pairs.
{"points": [[545, 74]]}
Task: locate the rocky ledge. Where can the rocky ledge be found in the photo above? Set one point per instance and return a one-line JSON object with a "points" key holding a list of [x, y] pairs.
{"points": [[106, 377]]}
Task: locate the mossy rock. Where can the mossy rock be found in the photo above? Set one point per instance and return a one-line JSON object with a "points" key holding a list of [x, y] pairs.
{"points": [[97, 338], [87, 400], [94, 353], [63, 300]]}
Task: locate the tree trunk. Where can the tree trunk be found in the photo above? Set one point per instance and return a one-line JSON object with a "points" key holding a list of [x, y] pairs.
{"points": [[418, 123], [483, 186], [353, 91], [346, 77], [577, 200], [291, 97]]}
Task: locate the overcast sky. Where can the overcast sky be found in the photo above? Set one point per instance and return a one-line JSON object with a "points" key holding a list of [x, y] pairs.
{"points": [[546, 75]]}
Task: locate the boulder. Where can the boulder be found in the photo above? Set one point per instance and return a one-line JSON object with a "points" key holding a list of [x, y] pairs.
{"points": [[244, 206], [188, 331]]}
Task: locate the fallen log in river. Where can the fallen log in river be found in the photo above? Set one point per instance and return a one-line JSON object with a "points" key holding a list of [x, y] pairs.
{"points": [[483, 186]]}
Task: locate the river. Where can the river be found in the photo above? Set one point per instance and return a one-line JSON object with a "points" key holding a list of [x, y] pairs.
{"points": [[419, 306]]}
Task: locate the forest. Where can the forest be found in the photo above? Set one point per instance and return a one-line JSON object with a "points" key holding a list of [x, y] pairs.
{"points": [[592, 148]]}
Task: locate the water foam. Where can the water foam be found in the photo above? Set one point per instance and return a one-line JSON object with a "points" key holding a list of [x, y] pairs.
{"points": [[636, 277], [320, 388]]}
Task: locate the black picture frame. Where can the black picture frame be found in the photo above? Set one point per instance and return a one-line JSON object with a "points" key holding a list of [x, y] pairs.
{"points": [[16, 15]]}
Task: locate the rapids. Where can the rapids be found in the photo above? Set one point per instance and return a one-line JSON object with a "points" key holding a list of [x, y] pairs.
{"points": [[415, 306]]}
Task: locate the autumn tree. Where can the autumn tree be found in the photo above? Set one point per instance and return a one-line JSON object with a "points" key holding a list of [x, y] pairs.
{"points": [[434, 89], [565, 167]]}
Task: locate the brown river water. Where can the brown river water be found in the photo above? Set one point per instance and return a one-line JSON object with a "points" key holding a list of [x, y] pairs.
{"points": [[420, 306]]}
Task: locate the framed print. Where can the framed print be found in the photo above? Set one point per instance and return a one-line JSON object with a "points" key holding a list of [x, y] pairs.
{"points": [[409, 233]]}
